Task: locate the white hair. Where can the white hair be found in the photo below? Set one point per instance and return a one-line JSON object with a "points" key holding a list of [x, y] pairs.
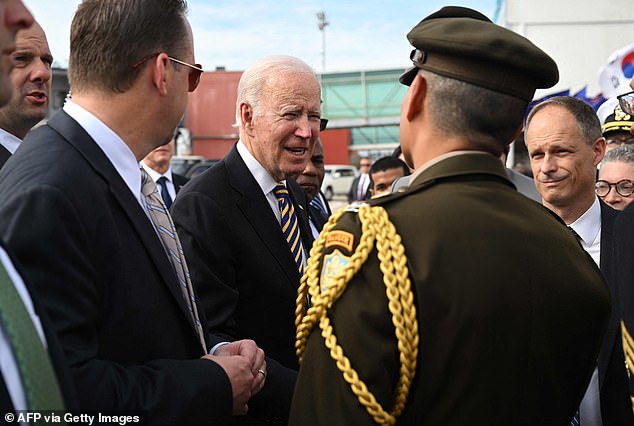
{"points": [[254, 79]]}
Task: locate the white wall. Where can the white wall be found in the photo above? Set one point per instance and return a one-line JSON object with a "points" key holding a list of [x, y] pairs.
{"points": [[580, 35]]}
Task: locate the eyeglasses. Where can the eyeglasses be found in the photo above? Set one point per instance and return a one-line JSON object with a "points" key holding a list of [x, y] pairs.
{"points": [[624, 187], [626, 101], [366, 164], [195, 71], [616, 141]]}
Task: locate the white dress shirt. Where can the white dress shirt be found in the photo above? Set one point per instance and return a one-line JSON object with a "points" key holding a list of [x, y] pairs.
{"points": [[588, 227], [8, 364], [10, 141], [171, 189], [117, 151], [267, 185]]}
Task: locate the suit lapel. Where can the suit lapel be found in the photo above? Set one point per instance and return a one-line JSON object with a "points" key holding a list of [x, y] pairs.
{"points": [[255, 208], [76, 136], [4, 155], [608, 216]]}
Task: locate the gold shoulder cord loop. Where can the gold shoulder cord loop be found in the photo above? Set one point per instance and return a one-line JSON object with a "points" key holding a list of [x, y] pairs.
{"points": [[628, 350], [376, 227]]}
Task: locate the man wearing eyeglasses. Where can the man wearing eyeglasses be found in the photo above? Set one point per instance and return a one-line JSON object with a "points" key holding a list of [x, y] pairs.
{"points": [[564, 143], [98, 247]]}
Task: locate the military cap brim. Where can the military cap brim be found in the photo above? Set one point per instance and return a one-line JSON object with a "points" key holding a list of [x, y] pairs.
{"points": [[463, 44], [618, 121]]}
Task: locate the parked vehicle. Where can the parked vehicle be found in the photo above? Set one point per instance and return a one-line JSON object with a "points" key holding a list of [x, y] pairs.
{"points": [[191, 165], [337, 179]]}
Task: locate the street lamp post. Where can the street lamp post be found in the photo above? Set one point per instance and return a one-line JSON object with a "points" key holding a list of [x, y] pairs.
{"points": [[322, 23]]}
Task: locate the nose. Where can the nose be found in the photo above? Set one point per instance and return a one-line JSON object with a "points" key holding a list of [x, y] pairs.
{"points": [[305, 127], [310, 169], [41, 72], [613, 198], [548, 165], [17, 16]]}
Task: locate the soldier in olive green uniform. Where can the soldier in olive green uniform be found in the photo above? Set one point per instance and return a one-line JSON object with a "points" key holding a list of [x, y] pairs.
{"points": [[488, 312]]}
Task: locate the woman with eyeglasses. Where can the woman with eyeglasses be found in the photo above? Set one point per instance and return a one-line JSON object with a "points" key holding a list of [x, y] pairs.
{"points": [[616, 177]]}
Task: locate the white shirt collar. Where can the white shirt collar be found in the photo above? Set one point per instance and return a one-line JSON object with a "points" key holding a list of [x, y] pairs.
{"points": [[156, 175], [117, 151], [262, 177], [10, 141], [588, 225]]}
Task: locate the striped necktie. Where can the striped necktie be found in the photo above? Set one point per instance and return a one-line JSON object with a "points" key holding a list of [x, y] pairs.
{"points": [[164, 226], [290, 225], [40, 383]]}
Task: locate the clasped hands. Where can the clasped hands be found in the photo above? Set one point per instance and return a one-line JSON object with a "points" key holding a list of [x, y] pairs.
{"points": [[245, 366]]}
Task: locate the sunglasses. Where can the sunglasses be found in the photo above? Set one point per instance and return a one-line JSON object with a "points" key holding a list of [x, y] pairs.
{"points": [[195, 71], [626, 101]]}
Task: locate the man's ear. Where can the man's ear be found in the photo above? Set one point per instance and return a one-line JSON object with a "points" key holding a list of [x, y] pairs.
{"points": [[598, 150], [159, 73], [416, 97], [246, 117]]}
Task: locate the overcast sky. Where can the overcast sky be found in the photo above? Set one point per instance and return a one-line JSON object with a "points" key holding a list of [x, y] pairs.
{"points": [[366, 35]]}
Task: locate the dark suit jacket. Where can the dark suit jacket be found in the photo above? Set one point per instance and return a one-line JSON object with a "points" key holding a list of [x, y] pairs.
{"points": [[616, 406], [318, 217], [354, 187], [4, 155], [242, 266], [90, 253], [179, 181], [502, 341], [623, 273], [54, 351]]}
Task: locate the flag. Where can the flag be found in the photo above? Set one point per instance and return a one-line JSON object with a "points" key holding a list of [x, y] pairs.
{"points": [[615, 76]]}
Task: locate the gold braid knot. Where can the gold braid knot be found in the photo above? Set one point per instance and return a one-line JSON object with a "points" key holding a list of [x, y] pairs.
{"points": [[376, 228]]}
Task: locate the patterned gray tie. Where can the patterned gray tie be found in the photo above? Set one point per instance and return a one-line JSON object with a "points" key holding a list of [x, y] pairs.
{"points": [[164, 226]]}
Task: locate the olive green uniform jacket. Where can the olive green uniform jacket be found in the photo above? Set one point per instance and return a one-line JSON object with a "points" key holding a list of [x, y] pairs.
{"points": [[511, 310]]}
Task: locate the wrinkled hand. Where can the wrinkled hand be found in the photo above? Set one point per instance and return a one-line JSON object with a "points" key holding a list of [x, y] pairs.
{"points": [[248, 349], [245, 366]]}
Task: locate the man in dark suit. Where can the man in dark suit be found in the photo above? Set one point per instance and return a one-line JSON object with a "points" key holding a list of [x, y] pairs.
{"points": [[75, 216], [35, 335], [310, 179], [623, 265], [443, 319], [360, 187], [565, 145], [232, 220], [31, 80], [158, 165]]}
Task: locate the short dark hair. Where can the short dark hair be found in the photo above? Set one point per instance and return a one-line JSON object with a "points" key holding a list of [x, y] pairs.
{"points": [[387, 163], [487, 119], [108, 37], [585, 116]]}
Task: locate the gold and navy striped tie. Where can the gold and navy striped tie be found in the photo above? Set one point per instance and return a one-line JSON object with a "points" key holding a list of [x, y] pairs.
{"points": [[290, 225]]}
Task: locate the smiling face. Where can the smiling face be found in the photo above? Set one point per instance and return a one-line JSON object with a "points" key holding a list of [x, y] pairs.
{"points": [[563, 163], [282, 132], [31, 80]]}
